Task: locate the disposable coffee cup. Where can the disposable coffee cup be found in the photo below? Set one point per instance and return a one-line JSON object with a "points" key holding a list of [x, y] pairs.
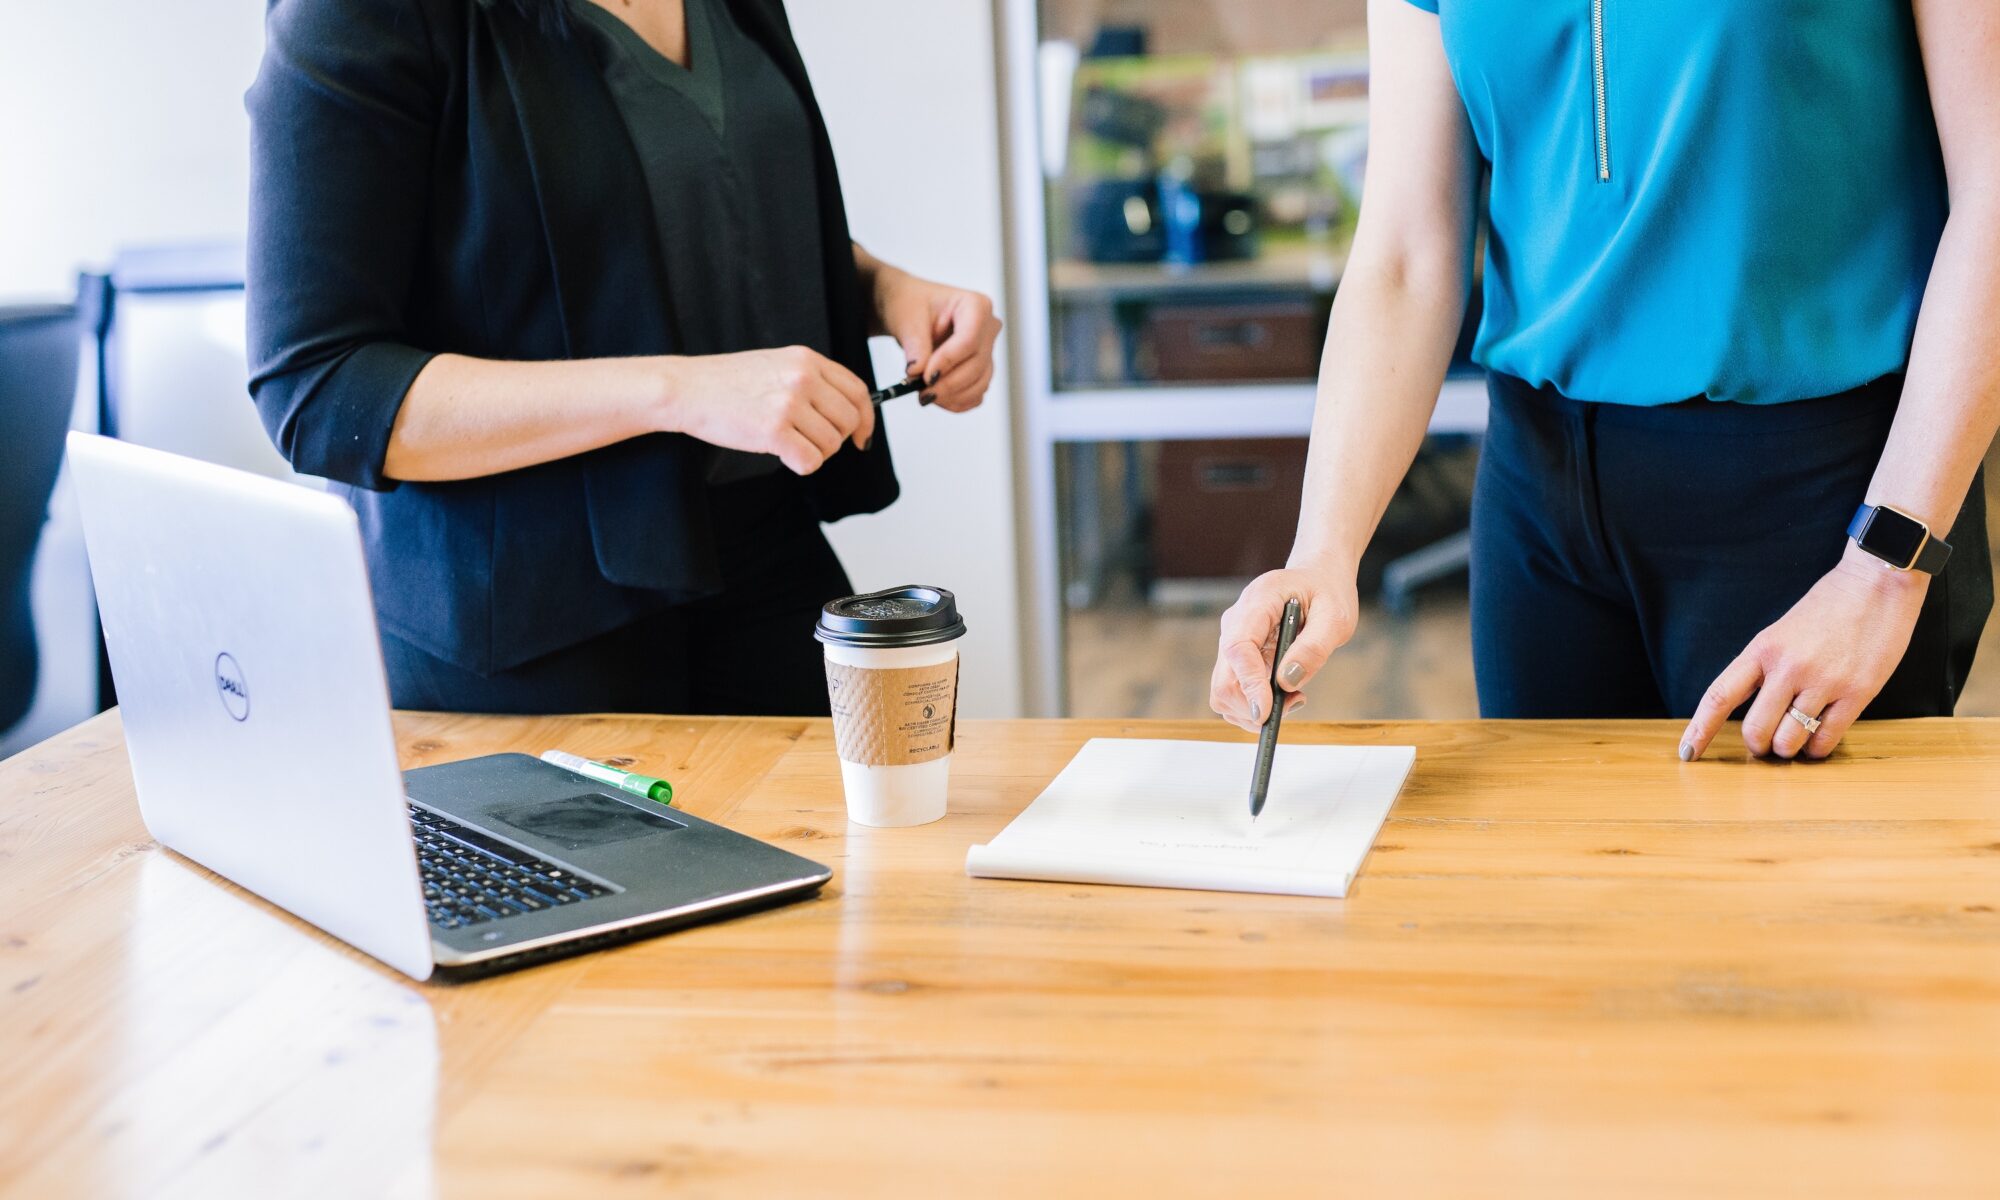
{"points": [[892, 678]]}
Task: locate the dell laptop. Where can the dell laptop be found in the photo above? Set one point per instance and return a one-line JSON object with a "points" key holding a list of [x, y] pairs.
{"points": [[242, 640]]}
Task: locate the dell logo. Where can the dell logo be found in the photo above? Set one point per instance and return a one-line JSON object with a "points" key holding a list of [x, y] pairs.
{"points": [[230, 686]]}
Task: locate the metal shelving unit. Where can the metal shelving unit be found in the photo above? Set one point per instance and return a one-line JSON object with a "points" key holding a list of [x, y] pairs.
{"points": [[1054, 416]]}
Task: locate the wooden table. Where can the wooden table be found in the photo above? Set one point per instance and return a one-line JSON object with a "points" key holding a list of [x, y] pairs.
{"points": [[1572, 965]]}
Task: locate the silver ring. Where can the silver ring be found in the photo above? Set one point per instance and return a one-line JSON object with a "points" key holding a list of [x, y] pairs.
{"points": [[1811, 723]]}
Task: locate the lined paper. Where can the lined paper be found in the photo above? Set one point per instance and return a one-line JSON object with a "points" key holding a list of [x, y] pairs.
{"points": [[1156, 813]]}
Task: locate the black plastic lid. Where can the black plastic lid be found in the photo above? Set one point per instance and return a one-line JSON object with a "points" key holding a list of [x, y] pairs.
{"points": [[911, 615]]}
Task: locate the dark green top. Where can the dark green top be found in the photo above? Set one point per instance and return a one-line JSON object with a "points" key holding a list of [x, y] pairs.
{"points": [[726, 149]]}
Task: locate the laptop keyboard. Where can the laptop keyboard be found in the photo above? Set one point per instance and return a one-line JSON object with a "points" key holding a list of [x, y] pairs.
{"points": [[470, 878]]}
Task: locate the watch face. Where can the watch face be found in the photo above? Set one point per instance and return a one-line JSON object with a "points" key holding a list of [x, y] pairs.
{"points": [[1893, 536]]}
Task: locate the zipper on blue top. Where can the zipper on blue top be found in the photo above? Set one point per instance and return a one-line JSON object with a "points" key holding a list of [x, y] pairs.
{"points": [[1597, 90]]}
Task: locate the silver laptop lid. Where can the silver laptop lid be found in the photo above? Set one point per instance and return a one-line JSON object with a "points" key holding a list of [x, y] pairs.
{"points": [[242, 639]]}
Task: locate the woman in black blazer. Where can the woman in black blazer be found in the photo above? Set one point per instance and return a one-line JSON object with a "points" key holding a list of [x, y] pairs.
{"points": [[563, 298]]}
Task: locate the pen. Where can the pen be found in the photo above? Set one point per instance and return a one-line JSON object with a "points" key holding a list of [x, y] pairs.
{"points": [[897, 389], [624, 781], [1267, 741]]}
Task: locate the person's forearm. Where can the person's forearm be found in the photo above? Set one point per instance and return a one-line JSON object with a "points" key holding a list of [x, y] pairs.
{"points": [[866, 265], [1951, 395], [874, 273], [1387, 349], [467, 417]]}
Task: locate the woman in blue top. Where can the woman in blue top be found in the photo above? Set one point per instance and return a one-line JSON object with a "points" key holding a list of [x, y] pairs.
{"points": [[1742, 331]]}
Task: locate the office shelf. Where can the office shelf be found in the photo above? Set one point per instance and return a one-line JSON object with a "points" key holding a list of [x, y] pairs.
{"points": [[1290, 269], [1170, 413], [1085, 308]]}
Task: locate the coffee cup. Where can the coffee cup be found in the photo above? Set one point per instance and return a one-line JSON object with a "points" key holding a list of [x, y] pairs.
{"points": [[892, 679]]}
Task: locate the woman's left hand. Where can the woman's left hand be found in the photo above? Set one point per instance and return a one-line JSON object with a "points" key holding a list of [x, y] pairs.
{"points": [[1827, 657], [947, 335]]}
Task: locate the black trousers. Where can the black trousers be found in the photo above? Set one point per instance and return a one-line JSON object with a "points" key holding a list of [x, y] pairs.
{"points": [[748, 651], [1622, 556]]}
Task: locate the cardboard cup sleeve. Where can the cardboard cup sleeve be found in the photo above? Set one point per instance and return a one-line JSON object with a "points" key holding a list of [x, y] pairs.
{"points": [[892, 717]]}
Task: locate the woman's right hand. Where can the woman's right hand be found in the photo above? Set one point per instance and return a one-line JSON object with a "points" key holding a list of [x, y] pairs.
{"points": [[1240, 689], [794, 403]]}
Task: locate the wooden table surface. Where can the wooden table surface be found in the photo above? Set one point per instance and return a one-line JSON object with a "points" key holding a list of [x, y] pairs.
{"points": [[1573, 965]]}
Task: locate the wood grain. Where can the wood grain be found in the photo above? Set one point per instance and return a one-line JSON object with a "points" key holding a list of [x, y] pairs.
{"points": [[1573, 965]]}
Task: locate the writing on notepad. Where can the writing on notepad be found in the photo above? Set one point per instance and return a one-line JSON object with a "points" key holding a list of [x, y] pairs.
{"points": [[1239, 847], [1161, 813]]}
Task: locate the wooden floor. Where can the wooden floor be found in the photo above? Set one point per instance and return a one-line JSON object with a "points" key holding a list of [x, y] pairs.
{"points": [[1133, 661]]}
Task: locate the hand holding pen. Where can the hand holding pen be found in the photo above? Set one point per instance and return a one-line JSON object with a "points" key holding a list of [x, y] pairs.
{"points": [[1240, 687]]}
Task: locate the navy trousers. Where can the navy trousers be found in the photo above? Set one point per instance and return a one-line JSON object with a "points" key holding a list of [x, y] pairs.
{"points": [[1622, 556], [748, 651]]}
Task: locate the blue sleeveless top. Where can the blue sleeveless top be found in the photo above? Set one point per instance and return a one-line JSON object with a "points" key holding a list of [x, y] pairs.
{"points": [[1737, 199]]}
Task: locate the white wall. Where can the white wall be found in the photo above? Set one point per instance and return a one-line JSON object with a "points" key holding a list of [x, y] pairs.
{"points": [[909, 90], [121, 122]]}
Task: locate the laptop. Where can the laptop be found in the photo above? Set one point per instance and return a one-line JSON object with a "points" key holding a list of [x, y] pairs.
{"points": [[243, 644]]}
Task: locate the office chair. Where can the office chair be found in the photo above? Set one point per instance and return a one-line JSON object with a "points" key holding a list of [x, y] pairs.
{"points": [[38, 378]]}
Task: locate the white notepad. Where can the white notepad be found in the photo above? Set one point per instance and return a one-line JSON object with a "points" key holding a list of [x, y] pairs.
{"points": [[1175, 814]]}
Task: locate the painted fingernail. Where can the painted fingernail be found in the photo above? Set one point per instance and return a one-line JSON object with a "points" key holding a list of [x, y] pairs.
{"points": [[1687, 751], [1293, 672], [1256, 711], [867, 442], [932, 381], [910, 369], [927, 398]]}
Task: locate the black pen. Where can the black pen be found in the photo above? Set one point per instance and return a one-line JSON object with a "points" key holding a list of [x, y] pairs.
{"points": [[898, 389], [1267, 741]]}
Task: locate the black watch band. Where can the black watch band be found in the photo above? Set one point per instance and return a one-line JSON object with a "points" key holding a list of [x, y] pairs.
{"points": [[1899, 539]]}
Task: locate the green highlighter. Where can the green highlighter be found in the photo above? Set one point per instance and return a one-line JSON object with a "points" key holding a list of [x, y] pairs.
{"points": [[610, 776]]}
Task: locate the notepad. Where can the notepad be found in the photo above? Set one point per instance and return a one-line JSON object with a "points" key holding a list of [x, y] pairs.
{"points": [[1152, 813]]}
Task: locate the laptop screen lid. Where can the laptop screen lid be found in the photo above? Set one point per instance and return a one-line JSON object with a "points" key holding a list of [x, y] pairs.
{"points": [[242, 638]]}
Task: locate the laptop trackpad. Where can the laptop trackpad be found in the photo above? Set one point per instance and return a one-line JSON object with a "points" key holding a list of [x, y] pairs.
{"points": [[581, 822]]}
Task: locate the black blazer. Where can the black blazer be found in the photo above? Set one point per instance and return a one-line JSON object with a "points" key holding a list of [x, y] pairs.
{"points": [[435, 176]]}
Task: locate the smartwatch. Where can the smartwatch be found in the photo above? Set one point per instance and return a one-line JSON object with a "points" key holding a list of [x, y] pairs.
{"points": [[1897, 538]]}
